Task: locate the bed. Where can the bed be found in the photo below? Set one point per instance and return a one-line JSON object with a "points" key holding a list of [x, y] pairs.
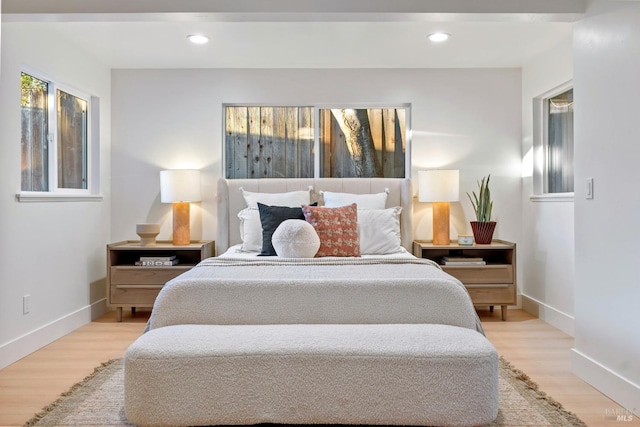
{"points": [[377, 338]]}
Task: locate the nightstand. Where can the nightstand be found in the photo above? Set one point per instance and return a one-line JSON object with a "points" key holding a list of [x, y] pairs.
{"points": [[131, 286], [491, 284]]}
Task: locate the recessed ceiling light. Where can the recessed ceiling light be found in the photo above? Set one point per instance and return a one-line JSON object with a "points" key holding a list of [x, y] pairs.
{"points": [[438, 37], [198, 38]]}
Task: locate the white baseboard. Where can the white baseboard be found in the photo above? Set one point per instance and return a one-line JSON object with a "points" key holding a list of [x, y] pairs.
{"points": [[552, 316], [28, 343], [617, 388]]}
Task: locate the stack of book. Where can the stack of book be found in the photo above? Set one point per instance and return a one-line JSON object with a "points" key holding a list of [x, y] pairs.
{"points": [[450, 260], [157, 260]]}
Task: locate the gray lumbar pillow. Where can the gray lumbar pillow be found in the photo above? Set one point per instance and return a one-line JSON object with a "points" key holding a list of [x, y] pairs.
{"points": [[295, 238]]}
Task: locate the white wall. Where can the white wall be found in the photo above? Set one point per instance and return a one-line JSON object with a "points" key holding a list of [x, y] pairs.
{"points": [[0, 38], [54, 251], [467, 119], [607, 96], [547, 226]]}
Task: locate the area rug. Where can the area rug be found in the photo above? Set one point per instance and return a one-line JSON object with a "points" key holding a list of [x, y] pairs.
{"points": [[98, 401]]}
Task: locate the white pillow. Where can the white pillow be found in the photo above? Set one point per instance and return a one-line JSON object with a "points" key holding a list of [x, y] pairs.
{"points": [[379, 231], [250, 230], [292, 199], [364, 201], [295, 238]]}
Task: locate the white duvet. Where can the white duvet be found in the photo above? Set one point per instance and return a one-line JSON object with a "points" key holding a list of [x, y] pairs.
{"points": [[241, 289]]}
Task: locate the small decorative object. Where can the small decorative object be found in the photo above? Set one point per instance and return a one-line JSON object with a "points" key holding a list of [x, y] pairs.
{"points": [[295, 238], [465, 240], [483, 228], [147, 233]]}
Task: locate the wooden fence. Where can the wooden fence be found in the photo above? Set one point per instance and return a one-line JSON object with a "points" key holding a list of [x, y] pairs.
{"points": [[278, 142], [34, 144], [35, 160], [387, 131], [269, 142], [71, 139]]}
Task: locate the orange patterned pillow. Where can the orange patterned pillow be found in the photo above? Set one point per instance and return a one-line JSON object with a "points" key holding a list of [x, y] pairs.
{"points": [[337, 229]]}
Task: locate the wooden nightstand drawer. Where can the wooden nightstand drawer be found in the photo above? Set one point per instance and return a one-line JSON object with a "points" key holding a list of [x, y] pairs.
{"points": [[469, 274], [138, 275], [491, 294], [141, 295]]}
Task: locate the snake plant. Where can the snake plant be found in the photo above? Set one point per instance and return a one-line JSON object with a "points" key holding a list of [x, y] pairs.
{"points": [[482, 204]]}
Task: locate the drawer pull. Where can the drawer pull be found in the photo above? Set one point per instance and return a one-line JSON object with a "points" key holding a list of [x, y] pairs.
{"points": [[139, 286]]}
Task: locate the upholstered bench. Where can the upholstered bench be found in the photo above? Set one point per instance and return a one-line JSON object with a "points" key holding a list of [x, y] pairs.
{"points": [[406, 374]]}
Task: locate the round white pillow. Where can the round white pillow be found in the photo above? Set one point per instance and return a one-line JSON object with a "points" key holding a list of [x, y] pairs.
{"points": [[295, 238]]}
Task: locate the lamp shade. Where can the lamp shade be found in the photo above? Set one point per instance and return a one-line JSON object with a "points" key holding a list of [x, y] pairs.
{"points": [[439, 185], [180, 185]]}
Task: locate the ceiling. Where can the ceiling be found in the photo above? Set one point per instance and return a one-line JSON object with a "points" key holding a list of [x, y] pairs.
{"points": [[303, 34]]}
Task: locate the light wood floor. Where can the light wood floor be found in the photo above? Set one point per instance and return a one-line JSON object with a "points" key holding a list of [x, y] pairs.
{"points": [[530, 344]]}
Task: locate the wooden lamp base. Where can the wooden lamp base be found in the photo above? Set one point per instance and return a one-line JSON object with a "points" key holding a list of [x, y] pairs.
{"points": [[181, 223], [441, 223]]}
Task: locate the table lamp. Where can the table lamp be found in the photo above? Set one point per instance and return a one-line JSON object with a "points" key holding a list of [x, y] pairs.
{"points": [[439, 187], [180, 187]]}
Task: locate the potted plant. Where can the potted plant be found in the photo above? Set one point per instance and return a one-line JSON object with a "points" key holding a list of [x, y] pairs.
{"points": [[483, 227]]}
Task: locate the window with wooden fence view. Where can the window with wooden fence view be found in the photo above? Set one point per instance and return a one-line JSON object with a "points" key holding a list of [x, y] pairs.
{"points": [[560, 143], [280, 142], [35, 131], [72, 141], [66, 126]]}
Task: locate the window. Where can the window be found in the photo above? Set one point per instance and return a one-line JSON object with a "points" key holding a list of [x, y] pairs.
{"points": [[285, 142], [55, 142], [363, 142], [72, 141], [269, 142], [553, 143], [35, 133], [559, 146]]}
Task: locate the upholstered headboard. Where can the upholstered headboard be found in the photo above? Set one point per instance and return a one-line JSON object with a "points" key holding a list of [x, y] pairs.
{"points": [[230, 200]]}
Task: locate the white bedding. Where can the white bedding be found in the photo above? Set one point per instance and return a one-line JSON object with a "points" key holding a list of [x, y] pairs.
{"points": [[240, 290], [243, 288]]}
